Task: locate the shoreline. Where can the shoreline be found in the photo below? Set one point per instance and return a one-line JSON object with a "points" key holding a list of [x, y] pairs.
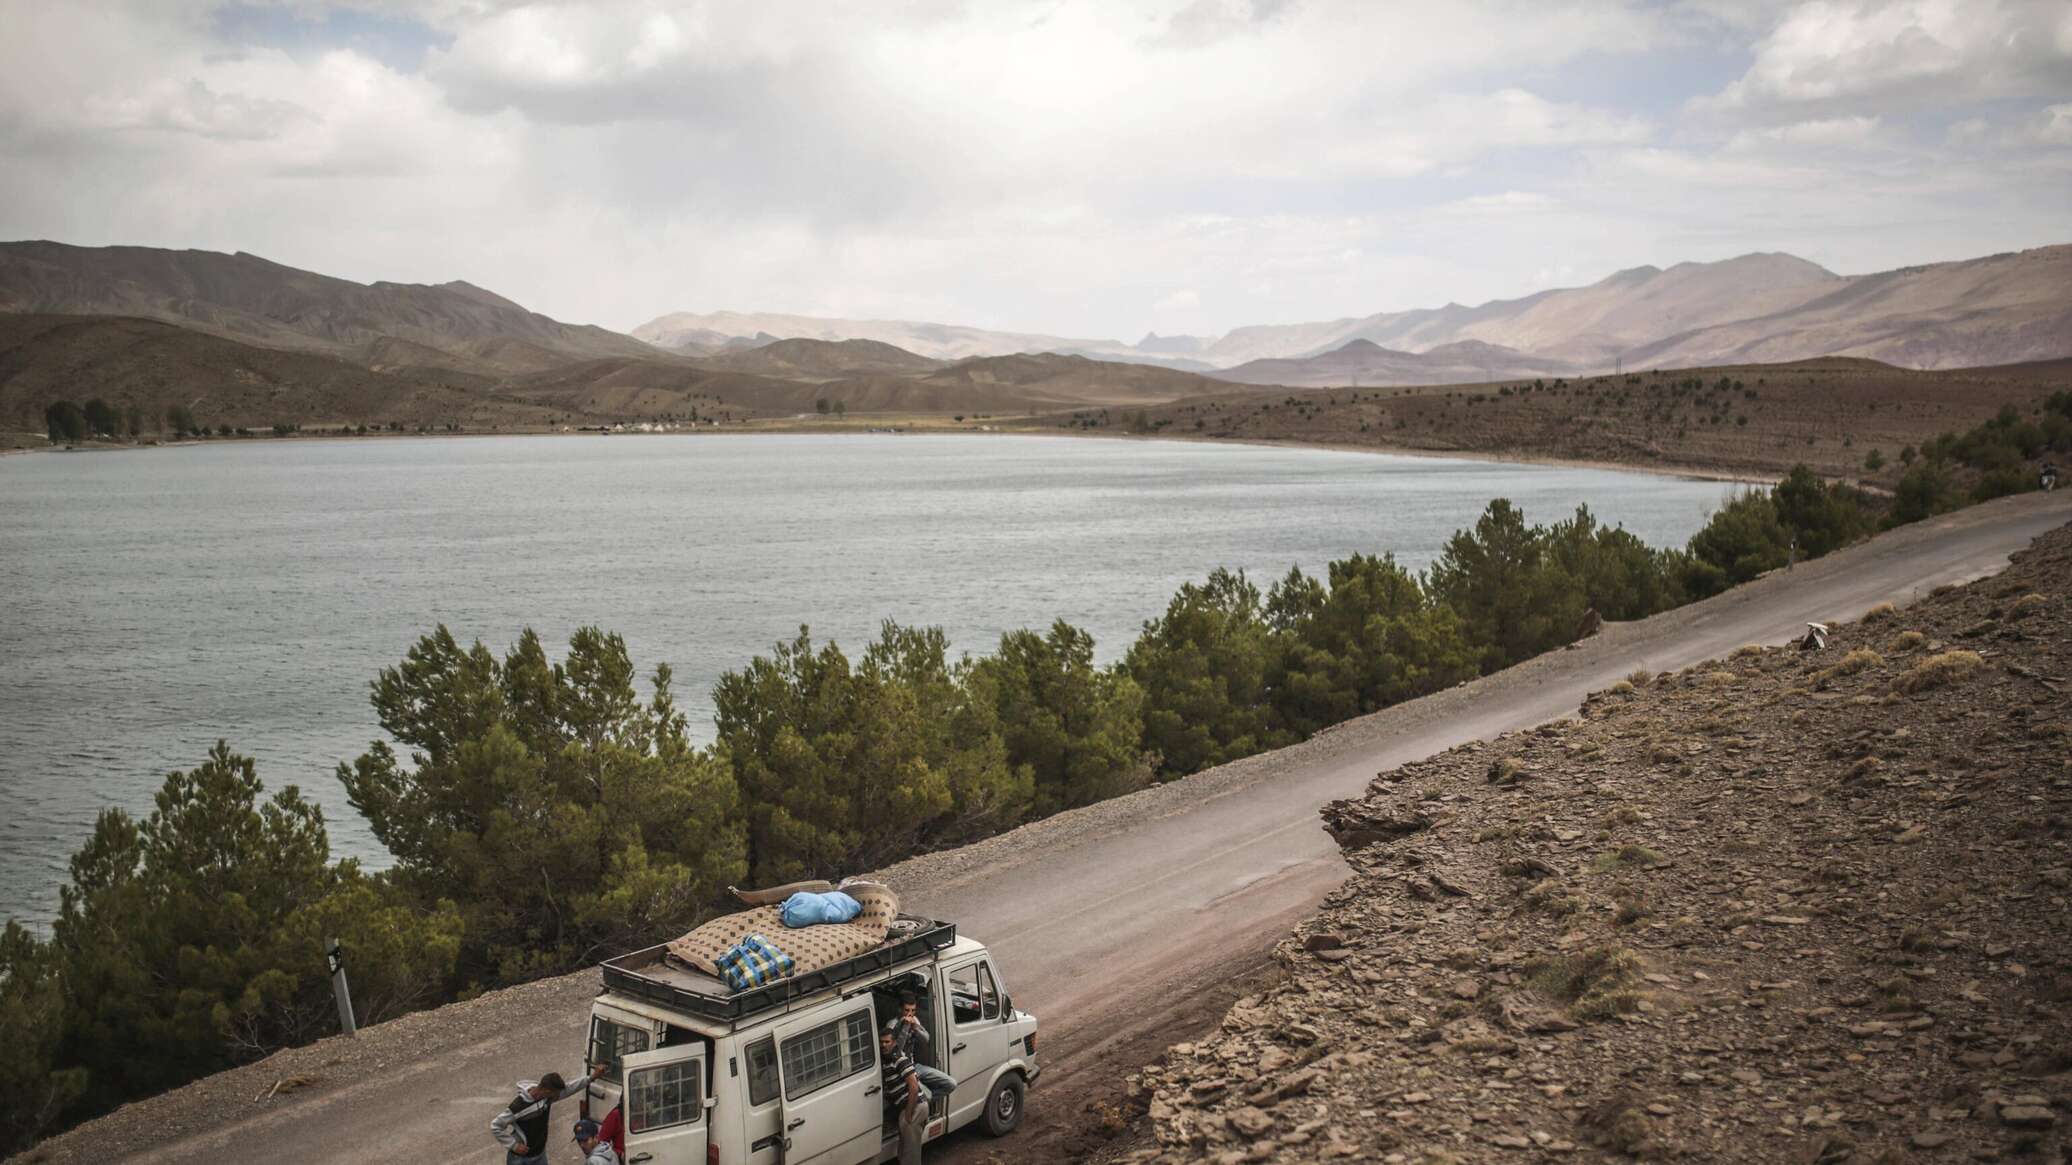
{"points": [[1660, 469]]}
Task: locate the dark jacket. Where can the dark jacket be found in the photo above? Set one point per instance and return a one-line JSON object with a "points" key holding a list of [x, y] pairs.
{"points": [[526, 1120]]}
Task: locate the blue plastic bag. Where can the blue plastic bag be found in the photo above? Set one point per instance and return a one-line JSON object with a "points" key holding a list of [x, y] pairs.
{"points": [[806, 908]]}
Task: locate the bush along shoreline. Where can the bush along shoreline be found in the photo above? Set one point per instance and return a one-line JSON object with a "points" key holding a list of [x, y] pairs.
{"points": [[543, 814]]}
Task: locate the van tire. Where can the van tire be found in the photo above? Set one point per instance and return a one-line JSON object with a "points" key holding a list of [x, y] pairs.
{"points": [[1004, 1105]]}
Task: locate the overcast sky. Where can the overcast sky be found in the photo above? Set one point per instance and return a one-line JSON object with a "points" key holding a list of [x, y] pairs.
{"points": [[1088, 170]]}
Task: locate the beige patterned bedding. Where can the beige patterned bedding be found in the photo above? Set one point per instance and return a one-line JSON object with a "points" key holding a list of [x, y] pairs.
{"points": [[812, 947]]}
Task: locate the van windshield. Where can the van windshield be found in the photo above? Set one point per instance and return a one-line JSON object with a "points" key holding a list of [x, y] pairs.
{"points": [[612, 1042]]}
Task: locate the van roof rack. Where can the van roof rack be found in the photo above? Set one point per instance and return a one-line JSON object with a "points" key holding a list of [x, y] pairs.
{"points": [[647, 974]]}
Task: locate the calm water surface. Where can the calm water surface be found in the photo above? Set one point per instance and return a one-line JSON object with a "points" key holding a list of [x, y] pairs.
{"points": [[151, 602]]}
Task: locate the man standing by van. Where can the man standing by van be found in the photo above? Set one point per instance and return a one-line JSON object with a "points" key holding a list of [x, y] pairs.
{"points": [[521, 1128], [903, 1091]]}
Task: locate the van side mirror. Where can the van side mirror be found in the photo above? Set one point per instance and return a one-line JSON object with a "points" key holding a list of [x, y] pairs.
{"points": [[1006, 1007]]}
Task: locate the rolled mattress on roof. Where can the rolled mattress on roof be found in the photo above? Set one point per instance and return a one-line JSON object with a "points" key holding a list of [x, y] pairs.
{"points": [[811, 947]]}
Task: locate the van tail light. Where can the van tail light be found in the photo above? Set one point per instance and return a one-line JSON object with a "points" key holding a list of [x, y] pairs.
{"points": [[712, 1155]]}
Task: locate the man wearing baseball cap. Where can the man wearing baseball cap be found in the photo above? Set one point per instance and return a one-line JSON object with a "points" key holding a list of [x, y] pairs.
{"points": [[596, 1150]]}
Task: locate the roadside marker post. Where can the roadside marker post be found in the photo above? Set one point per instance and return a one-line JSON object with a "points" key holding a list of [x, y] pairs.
{"points": [[335, 954]]}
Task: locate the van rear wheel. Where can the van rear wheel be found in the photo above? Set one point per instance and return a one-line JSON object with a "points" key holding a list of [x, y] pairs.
{"points": [[1004, 1107]]}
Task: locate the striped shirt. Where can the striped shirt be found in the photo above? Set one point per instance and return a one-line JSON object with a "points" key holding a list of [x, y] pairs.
{"points": [[898, 1067]]}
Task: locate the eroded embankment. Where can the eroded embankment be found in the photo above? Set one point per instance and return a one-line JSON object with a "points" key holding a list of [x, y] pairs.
{"points": [[1784, 907]]}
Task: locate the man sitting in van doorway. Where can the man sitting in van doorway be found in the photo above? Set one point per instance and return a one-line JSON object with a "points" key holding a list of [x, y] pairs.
{"points": [[909, 1032], [910, 1035], [904, 1096]]}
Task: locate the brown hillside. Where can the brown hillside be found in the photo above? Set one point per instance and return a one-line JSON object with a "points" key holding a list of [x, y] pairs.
{"points": [[822, 360], [155, 365], [1059, 381], [1999, 309], [1765, 308], [1827, 413], [1781, 908], [1365, 363], [255, 301]]}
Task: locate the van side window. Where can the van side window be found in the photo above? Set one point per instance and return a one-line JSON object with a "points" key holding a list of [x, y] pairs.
{"points": [[966, 994], [611, 1042], [837, 1049], [762, 1071], [988, 994], [662, 1096]]}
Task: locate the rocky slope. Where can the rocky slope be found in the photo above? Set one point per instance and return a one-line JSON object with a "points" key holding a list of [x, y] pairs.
{"points": [[1784, 907]]}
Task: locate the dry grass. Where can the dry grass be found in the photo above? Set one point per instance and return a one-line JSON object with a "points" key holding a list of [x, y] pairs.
{"points": [[1630, 854], [1939, 671], [1550, 897], [1631, 909], [1880, 613], [1747, 650], [1906, 641], [1640, 677], [1622, 688], [1595, 984], [1718, 679], [2027, 605], [1850, 664]]}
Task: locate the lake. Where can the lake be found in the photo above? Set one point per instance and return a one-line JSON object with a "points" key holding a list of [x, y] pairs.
{"points": [[157, 600]]}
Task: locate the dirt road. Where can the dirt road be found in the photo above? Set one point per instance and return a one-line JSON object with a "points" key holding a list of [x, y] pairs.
{"points": [[1117, 924]]}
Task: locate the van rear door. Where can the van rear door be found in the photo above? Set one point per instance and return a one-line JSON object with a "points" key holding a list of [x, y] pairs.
{"points": [[833, 1104], [665, 1106]]}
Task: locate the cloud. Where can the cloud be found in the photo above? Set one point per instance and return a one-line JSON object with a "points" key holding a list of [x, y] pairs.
{"points": [[1825, 133], [1457, 128], [1058, 166], [1185, 299], [1909, 53], [1509, 202]]}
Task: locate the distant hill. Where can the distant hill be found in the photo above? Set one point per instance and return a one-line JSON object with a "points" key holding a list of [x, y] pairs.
{"points": [[2002, 309], [1586, 325], [255, 301], [1052, 380], [935, 341], [822, 360], [155, 365], [998, 384], [1367, 364]]}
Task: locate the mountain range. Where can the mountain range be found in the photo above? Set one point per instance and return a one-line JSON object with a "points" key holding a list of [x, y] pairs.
{"points": [[246, 340], [1755, 308]]}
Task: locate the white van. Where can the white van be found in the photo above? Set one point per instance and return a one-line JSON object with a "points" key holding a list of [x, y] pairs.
{"points": [[788, 1074]]}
